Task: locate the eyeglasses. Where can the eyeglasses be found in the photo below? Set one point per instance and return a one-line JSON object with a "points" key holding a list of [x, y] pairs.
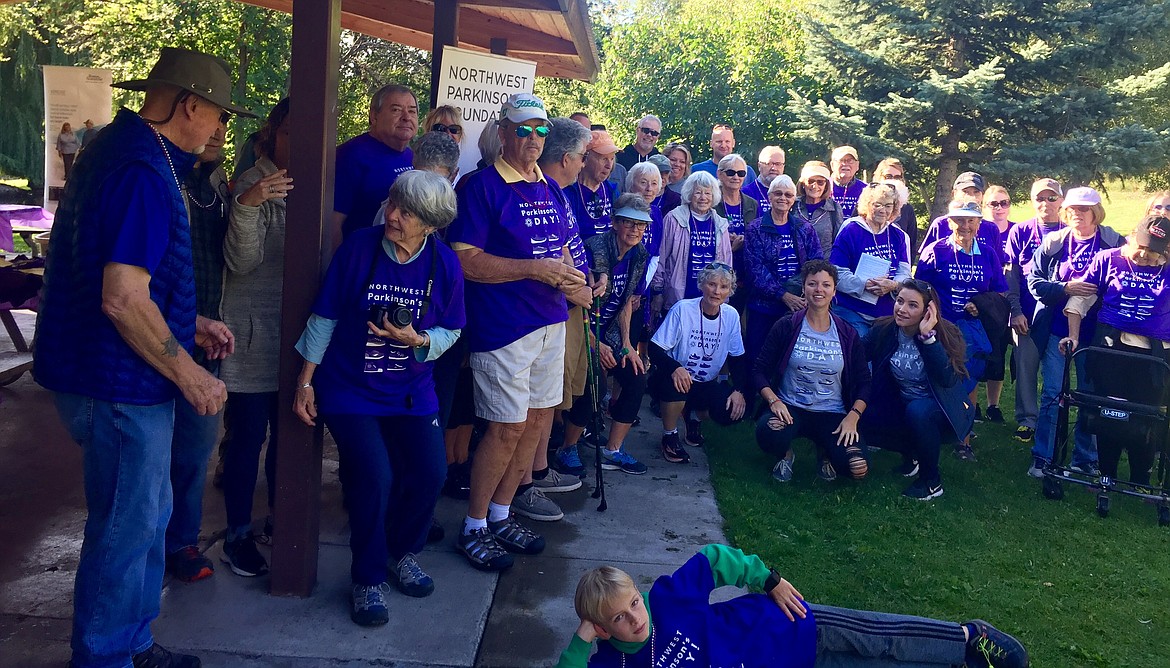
{"points": [[225, 116], [1000, 204], [524, 131], [1161, 207], [741, 173], [890, 177], [450, 129], [648, 131], [635, 224], [1048, 198], [779, 165]]}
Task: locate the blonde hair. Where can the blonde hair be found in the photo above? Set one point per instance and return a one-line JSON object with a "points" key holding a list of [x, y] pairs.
{"points": [[1098, 214], [598, 587], [874, 192], [1161, 194]]}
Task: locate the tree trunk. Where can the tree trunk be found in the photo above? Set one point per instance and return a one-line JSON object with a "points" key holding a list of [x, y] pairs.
{"points": [[244, 58], [948, 169]]}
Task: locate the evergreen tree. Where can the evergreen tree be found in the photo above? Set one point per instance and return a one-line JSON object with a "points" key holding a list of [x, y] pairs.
{"points": [[1010, 88]]}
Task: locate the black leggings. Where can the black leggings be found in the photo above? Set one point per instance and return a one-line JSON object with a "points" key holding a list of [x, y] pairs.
{"points": [[1141, 442], [625, 407], [818, 427], [710, 396]]}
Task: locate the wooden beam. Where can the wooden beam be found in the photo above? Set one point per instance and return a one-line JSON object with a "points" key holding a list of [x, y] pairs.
{"points": [[529, 5], [499, 46], [446, 33], [313, 99]]}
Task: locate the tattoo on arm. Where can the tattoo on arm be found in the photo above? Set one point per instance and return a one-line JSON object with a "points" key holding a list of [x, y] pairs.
{"points": [[170, 347]]}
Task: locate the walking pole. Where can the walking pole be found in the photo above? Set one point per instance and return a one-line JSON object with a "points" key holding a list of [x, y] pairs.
{"points": [[594, 384]]}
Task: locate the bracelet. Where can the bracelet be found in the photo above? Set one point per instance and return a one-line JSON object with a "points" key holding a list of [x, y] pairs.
{"points": [[928, 337], [854, 410], [305, 386], [625, 351], [773, 401]]}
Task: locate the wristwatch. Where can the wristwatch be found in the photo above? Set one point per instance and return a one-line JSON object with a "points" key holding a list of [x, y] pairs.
{"points": [[772, 581]]}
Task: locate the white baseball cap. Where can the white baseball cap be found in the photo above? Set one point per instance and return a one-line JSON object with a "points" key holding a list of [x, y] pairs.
{"points": [[520, 107]]}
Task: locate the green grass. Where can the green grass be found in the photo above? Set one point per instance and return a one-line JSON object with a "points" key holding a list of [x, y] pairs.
{"points": [[1078, 590]]}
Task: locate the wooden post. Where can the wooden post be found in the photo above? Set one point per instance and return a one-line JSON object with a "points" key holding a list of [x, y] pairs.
{"points": [[313, 92], [499, 46], [446, 33]]}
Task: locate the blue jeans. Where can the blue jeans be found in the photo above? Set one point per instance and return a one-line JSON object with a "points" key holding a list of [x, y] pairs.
{"points": [[126, 460], [391, 468], [919, 433], [249, 416], [855, 319], [194, 439], [1052, 374]]}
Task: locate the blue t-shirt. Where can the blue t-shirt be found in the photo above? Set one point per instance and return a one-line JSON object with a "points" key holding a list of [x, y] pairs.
{"points": [[515, 219], [363, 374], [856, 239], [366, 168], [702, 252], [593, 209], [812, 379], [909, 369], [756, 190], [735, 222], [1134, 298], [958, 276], [848, 195]]}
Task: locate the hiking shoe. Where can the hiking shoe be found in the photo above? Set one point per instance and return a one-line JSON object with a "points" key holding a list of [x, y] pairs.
{"points": [[978, 414], [695, 433], [189, 565], [483, 551], [1088, 468], [1037, 469], [157, 656], [618, 460], [994, 414], [673, 451], [1025, 434], [458, 482], [827, 472], [964, 452], [515, 537], [533, 504], [568, 461], [907, 469], [555, 481], [782, 471], [436, 533], [369, 604], [988, 647], [411, 579], [242, 556], [923, 490]]}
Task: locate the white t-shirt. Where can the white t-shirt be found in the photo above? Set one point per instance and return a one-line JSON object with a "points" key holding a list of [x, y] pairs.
{"points": [[701, 345]]}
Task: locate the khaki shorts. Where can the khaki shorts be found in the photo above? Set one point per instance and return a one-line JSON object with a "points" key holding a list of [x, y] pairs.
{"points": [[527, 373], [576, 357]]}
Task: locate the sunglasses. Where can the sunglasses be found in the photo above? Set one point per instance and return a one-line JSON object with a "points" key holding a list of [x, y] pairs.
{"points": [[523, 131], [1081, 208], [450, 129], [720, 265], [741, 173], [918, 286], [1000, 204], [1048, 198], [225, 116], [648, 131], [1161, 207]]}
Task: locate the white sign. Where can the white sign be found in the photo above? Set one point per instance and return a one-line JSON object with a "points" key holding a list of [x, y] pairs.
{"points": [[478, 83], [73, 95]]}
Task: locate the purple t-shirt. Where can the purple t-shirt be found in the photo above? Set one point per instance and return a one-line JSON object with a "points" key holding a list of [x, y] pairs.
{"points": [[363, 374], [735, 222], [1077, 254], [759, 192], [1134, 298], [848, 195], [593, 209], [1022, 241], [652, 239], [856, 239], [366, 168], [619, 278], [576, 244], [988, 236], [959, 276], [519, 221], [702, 253]]}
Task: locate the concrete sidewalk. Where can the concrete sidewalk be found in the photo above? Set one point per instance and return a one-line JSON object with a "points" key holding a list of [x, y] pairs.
{"points": [[521, 618]]}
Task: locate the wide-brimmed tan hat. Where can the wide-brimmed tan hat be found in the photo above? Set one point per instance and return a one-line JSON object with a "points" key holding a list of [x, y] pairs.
{"points": [[205, 75]]}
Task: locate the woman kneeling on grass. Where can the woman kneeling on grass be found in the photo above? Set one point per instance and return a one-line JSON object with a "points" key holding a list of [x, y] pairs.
{"points": [[816, 362], [688, 350], [918, 399]]}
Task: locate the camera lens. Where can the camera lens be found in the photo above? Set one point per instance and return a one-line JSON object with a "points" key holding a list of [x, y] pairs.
{"points": [[401, 316]]}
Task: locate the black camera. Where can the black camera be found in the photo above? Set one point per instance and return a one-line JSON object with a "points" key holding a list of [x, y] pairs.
{"points": [[399, 315]]}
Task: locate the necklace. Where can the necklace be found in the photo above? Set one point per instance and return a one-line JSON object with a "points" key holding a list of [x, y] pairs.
{"points": [[174, 175], [547, 199], [702, 335], [191, 197], [604, 200], [653, 652]]}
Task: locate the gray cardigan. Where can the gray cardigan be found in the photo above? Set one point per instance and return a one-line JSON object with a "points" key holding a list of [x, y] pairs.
{"points": [[254, 254]]}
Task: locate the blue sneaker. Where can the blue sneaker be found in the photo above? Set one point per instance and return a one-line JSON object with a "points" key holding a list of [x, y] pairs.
{"points": [[411, 579], [369, 604], [568, 461], [618, 460]]}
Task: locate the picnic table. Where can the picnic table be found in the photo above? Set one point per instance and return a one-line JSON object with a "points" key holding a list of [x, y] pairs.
{"points": [[26, 221], [19, 284]]}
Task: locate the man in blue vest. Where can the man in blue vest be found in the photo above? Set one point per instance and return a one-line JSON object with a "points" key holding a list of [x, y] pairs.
{"points": [[116, 332]]}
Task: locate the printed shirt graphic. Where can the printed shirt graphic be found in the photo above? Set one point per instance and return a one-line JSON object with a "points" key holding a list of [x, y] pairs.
{"points": [[847, 196], [856, 239], [1077, 254], [813, 378], [702, 252], [700, 344], [958, 276], [619, 278], [592, 209], [735, 222], [1022, 241], [1134, 299], [909, 370]]}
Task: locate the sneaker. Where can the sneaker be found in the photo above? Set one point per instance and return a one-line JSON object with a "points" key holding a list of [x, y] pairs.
{"points": [[189, 565], [458, 482], [989, 647], [782, 471], [978, 414], [827, 472], [515, 537], [1088, 468], [533, 504], [994, 414], [265, 536], [695, 433], [907, 469], [568, 461], [369, 604], [243, 557], [1025, 434], [618, 460], [924, 491], [483, 551], [673, 451], [555, 481], [964, 452], [157, 656], [411, 579], [1037, 468], [436, 533]]}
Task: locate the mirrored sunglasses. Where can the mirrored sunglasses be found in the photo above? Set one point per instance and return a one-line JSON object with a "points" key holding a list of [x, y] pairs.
{"points": [[523, 131]]}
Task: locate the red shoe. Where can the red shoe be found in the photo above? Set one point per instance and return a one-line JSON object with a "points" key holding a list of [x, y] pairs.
{"points": [[189, 565]]}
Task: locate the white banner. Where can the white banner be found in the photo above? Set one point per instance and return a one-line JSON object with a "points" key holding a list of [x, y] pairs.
{"points": [[73, 95], [478, 83]]}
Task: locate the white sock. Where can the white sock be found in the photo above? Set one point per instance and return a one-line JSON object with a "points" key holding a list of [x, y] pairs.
{"points": [[498, 513], [672, 431], [471, 524]]}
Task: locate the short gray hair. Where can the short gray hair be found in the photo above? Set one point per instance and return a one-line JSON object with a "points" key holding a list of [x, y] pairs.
{"points": [[649, 117], [435, 150], [782, 181], [633, 201], [426, 195], [701, 180], [380, 96], [489, 142], [643, 168], [564, 136], [716, 269], [725, 163]]}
